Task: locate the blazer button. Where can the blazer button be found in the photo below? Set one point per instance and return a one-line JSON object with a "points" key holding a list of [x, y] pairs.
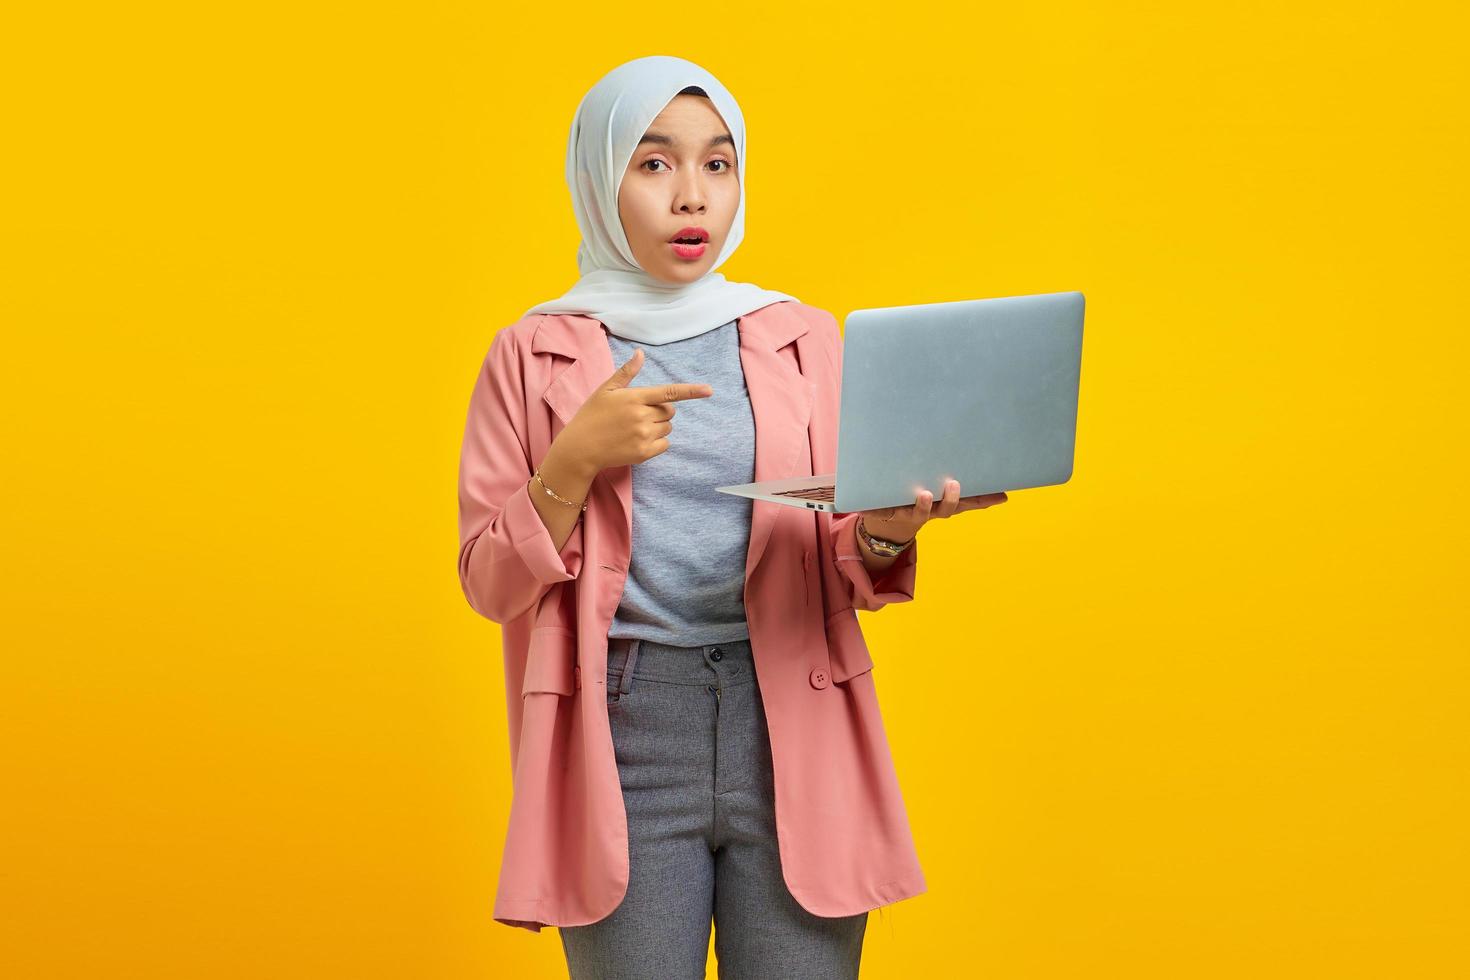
{"points": [[819, 678]]}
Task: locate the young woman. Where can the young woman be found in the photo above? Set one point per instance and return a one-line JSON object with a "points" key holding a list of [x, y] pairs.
{"points": [[695, 733]]}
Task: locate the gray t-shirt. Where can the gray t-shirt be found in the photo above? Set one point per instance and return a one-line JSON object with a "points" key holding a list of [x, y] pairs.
{"points": [[686, 576]]}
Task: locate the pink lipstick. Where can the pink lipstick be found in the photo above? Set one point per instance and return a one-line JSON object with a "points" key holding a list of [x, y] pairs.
{"points": [[689, 242]]}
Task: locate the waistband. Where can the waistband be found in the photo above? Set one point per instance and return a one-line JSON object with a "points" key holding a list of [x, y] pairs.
{"points": [[731, 661]]}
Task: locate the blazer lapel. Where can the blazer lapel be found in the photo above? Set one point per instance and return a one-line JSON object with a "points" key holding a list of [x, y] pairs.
{"points": [[582, 339], [780, 401]]}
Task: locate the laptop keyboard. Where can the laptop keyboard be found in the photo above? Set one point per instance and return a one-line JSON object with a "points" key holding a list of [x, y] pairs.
{"points": [[810, 493]]}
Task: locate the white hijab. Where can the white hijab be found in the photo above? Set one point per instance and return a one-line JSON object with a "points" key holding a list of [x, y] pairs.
{"points": [[611, 118]]}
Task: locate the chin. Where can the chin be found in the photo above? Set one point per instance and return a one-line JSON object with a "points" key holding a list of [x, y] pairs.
{"points": [[684, 273]]}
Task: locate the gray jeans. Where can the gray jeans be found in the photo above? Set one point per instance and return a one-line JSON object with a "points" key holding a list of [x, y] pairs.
{"points": [[694, 760]]}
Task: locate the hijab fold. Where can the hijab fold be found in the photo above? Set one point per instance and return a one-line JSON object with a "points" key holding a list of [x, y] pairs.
{"points": [[610, 120]]}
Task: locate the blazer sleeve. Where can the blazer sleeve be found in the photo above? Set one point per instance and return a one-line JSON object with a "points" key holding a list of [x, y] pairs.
{"points": [[896, 584], [507, 560]]}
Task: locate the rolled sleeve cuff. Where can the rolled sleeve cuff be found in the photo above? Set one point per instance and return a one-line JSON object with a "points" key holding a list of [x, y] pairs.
{"points": [[533, 541], [896, 584]]}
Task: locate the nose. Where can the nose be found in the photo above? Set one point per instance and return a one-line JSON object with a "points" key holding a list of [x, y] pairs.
{"points": [[691, 195]]}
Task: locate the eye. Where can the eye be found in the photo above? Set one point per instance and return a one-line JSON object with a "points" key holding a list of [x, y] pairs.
{"points": [[726, 163]]}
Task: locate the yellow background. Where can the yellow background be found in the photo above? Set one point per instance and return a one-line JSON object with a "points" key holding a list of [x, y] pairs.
{"points": [[1199, 713]]}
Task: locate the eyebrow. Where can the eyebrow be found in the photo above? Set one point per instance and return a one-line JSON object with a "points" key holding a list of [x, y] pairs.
{"points": [[670, 141]]}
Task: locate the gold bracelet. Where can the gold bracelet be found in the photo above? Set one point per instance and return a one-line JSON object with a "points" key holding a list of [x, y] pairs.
{"points": [[558, 496], [881, 547]]}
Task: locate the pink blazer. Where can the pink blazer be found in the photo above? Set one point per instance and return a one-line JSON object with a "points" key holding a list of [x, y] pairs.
{"points": [[843, 832]]}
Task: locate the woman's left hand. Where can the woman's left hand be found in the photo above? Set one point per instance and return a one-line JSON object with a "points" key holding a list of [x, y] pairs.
{"points": [[901, 524]]}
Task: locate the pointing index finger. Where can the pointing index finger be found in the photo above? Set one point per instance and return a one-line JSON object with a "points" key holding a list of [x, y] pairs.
{"points": [[654, 394]]}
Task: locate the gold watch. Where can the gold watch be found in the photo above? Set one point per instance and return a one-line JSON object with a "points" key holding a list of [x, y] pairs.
{"points": [[881, 546]]}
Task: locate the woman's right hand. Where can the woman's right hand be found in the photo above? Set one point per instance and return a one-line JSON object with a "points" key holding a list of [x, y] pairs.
{"points": [[619, 425]]}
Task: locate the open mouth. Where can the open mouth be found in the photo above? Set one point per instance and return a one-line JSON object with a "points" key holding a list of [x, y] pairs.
{"points": [[690, 235], [684, 248]]}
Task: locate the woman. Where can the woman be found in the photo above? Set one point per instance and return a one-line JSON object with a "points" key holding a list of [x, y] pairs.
{"points": [[694, 729]]}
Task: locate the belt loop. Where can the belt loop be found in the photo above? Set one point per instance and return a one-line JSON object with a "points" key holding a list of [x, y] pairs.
{"points": [[625, 682]]}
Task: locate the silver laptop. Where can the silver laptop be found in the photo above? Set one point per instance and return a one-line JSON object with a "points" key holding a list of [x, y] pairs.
{"points": [[981, 391]]}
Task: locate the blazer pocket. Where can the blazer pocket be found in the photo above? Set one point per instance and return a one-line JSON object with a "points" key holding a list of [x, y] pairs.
{"points": [[551, 661], [845, 644]]}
